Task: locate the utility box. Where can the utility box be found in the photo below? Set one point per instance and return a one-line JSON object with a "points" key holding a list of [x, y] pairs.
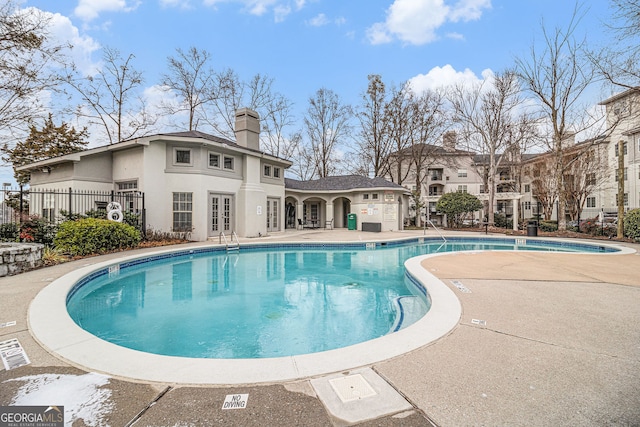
{"points": [[352, 222]]}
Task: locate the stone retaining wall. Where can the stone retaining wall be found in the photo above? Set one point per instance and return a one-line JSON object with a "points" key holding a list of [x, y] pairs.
{"points": [[16, 258]]}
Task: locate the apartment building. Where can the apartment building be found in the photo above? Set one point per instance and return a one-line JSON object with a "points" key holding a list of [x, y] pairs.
{"points": [[525, 183]]}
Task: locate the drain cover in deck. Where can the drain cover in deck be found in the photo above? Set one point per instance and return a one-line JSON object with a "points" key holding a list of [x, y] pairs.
{"points": [[352, 387]]}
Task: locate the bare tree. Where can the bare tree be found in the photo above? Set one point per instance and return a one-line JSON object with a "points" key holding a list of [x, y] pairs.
{"points": [[399, 128], [303, 167], [543, 185], [111, 99], [193, 80], [586, 170], [488, 118], [374, 143], [276, 119], [619, 62], [327, 124], [26, 52], [429, 122], [557, 74]]}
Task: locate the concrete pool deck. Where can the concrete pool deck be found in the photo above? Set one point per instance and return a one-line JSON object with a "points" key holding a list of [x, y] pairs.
{"points": [[543, 339]]}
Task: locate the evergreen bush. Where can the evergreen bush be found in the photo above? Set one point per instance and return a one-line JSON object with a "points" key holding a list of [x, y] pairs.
{"points": [[9, 232], [94, 236], [548, 226], [632, 224]]}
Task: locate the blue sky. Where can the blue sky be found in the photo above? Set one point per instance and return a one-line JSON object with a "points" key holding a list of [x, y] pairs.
{"points": [[309, 44]]}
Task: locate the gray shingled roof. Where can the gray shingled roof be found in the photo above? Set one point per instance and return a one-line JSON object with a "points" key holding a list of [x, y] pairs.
{"points": [[198, 134], [341, 183]]}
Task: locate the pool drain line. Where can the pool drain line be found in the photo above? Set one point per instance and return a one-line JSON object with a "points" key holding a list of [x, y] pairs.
{"points": [[146, 408], [431, 422]]}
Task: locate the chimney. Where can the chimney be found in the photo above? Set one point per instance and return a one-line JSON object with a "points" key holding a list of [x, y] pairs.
{"points": [[449, 140], [248, 128]]}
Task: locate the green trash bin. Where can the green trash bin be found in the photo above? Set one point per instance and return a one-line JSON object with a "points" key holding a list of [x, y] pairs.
{"points": [[352, 222]]}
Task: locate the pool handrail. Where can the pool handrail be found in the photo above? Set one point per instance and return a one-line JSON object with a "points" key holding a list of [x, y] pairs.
{"points": [[435, 228]]}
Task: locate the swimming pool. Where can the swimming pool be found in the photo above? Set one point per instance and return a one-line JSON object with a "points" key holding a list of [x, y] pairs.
{"points": [[51, 325], [264, 301]]}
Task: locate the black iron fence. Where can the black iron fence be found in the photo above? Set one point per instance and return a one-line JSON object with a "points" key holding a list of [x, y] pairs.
{"points": [[58, 205]]}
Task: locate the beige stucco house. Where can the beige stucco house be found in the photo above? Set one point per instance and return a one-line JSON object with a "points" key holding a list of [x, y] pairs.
{"points": [[191, 181], [205, 185], [377, 204]]}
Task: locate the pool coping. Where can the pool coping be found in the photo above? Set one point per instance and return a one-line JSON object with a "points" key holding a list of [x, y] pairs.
{"points": [[52, 327]]}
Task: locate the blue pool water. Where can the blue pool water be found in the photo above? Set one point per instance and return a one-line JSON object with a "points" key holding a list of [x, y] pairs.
{"points": [[265, 301]]}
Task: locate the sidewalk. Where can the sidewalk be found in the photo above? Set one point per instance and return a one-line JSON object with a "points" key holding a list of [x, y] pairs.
{"points": [[544, 339]]}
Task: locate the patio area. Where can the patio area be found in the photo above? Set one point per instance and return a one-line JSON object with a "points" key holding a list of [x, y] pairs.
{"points": [[543, 339]]}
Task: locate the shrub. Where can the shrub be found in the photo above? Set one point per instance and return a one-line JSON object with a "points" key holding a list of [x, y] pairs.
{"points": [[632, 224], [52, 256], [127, 217], [9, 232], [548, 226], [163, 236], [456, 206], [37, 230], [596, 228], [500, 220], [93, 236]]}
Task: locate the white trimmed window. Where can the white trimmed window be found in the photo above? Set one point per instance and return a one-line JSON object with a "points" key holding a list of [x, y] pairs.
{"points": [[276, 172], [228, 162], [182, 211], [182, 156], [374, 196], [267, 170], [462, 188], [462, 173], [214, 160], [591, 202]]}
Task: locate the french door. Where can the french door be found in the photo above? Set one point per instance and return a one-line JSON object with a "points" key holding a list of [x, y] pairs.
{"points": [[221, 214], [273, 222]]}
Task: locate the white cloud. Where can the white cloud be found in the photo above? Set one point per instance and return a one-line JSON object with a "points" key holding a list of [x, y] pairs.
{"points": [[181, 4], [469, 10], [62, 31], [281, 12], [88, 10], [318, 20], [321, 20], [455, 36], [416, 21], [281, 8], [447, 76], [378, 34]]}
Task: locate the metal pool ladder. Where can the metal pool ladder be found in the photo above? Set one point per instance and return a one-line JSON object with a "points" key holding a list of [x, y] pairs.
{"points": [[234, 245], [435, 228]]}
